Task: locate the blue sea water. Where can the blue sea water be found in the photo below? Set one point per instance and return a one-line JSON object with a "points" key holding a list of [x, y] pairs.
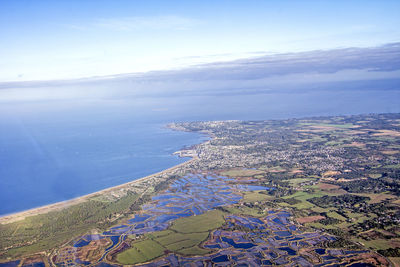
{"points": [[50, 153], [63, 145]]}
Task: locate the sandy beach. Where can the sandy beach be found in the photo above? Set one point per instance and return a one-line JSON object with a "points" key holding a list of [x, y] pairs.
{"points": [[141, 182]]}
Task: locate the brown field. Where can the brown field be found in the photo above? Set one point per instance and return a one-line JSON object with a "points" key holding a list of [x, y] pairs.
{"points": [[374, 234], [380, 198], [310, 254], [396, 202], [370, 258], [330, 179], [331, 188], [390, 152], [395, 261], [377, 198], [350, 180], [33, 259], [309, 219], [328, 187], [276, 169], [94, 250], [330, 173], [387, 133], [317, 129], [356, 144], [295, 171], [355, 132]]}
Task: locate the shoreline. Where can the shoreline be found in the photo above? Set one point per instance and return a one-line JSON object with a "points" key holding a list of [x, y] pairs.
{"points": [[21, 215]]}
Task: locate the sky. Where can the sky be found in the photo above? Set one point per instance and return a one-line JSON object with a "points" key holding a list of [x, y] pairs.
{"points": [[47, 40]]}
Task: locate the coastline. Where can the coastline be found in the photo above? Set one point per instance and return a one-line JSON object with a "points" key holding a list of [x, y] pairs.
{"points": [[21, 215]]}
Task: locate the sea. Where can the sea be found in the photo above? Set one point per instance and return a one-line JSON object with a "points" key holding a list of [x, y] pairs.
{"points": [[56, 146]]}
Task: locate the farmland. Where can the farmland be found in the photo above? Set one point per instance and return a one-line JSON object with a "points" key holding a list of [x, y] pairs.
{"points": [[300, 191]]}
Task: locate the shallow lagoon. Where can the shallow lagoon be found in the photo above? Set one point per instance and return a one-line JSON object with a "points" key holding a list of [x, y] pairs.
{"points": [[270, 239]]}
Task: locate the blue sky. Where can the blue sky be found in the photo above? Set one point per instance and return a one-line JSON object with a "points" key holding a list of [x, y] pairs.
{"points": [[42, 40]]}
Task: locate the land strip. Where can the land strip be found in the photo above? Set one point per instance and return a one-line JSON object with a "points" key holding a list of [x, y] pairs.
{"points": [[134, 185]]}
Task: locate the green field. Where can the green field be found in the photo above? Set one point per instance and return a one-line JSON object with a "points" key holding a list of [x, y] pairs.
{"points": [[335, 215], [375, 175], [241, 173], [376, 244], [141, 251], [178, 241], [201, 223], [321, 226], [333, 143], [194, 251], [302, 196], [253, 196], [319, 209], [297, 181], [395, 166], [184, 236]]}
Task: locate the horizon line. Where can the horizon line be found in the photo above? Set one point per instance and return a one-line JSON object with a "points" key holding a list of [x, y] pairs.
{"points": [[189, 66]]}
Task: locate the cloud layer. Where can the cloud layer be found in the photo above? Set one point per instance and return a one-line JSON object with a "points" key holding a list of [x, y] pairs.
{"points": [[355, 68]]}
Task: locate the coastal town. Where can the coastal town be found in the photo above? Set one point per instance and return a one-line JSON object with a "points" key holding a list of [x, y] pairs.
{"points": [[296, 192]]}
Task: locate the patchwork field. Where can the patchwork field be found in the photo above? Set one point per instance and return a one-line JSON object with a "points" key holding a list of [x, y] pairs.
{"points": [[292, 192]]}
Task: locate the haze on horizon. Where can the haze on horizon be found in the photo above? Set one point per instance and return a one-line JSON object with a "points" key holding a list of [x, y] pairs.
{"points": [[47, 40]]}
